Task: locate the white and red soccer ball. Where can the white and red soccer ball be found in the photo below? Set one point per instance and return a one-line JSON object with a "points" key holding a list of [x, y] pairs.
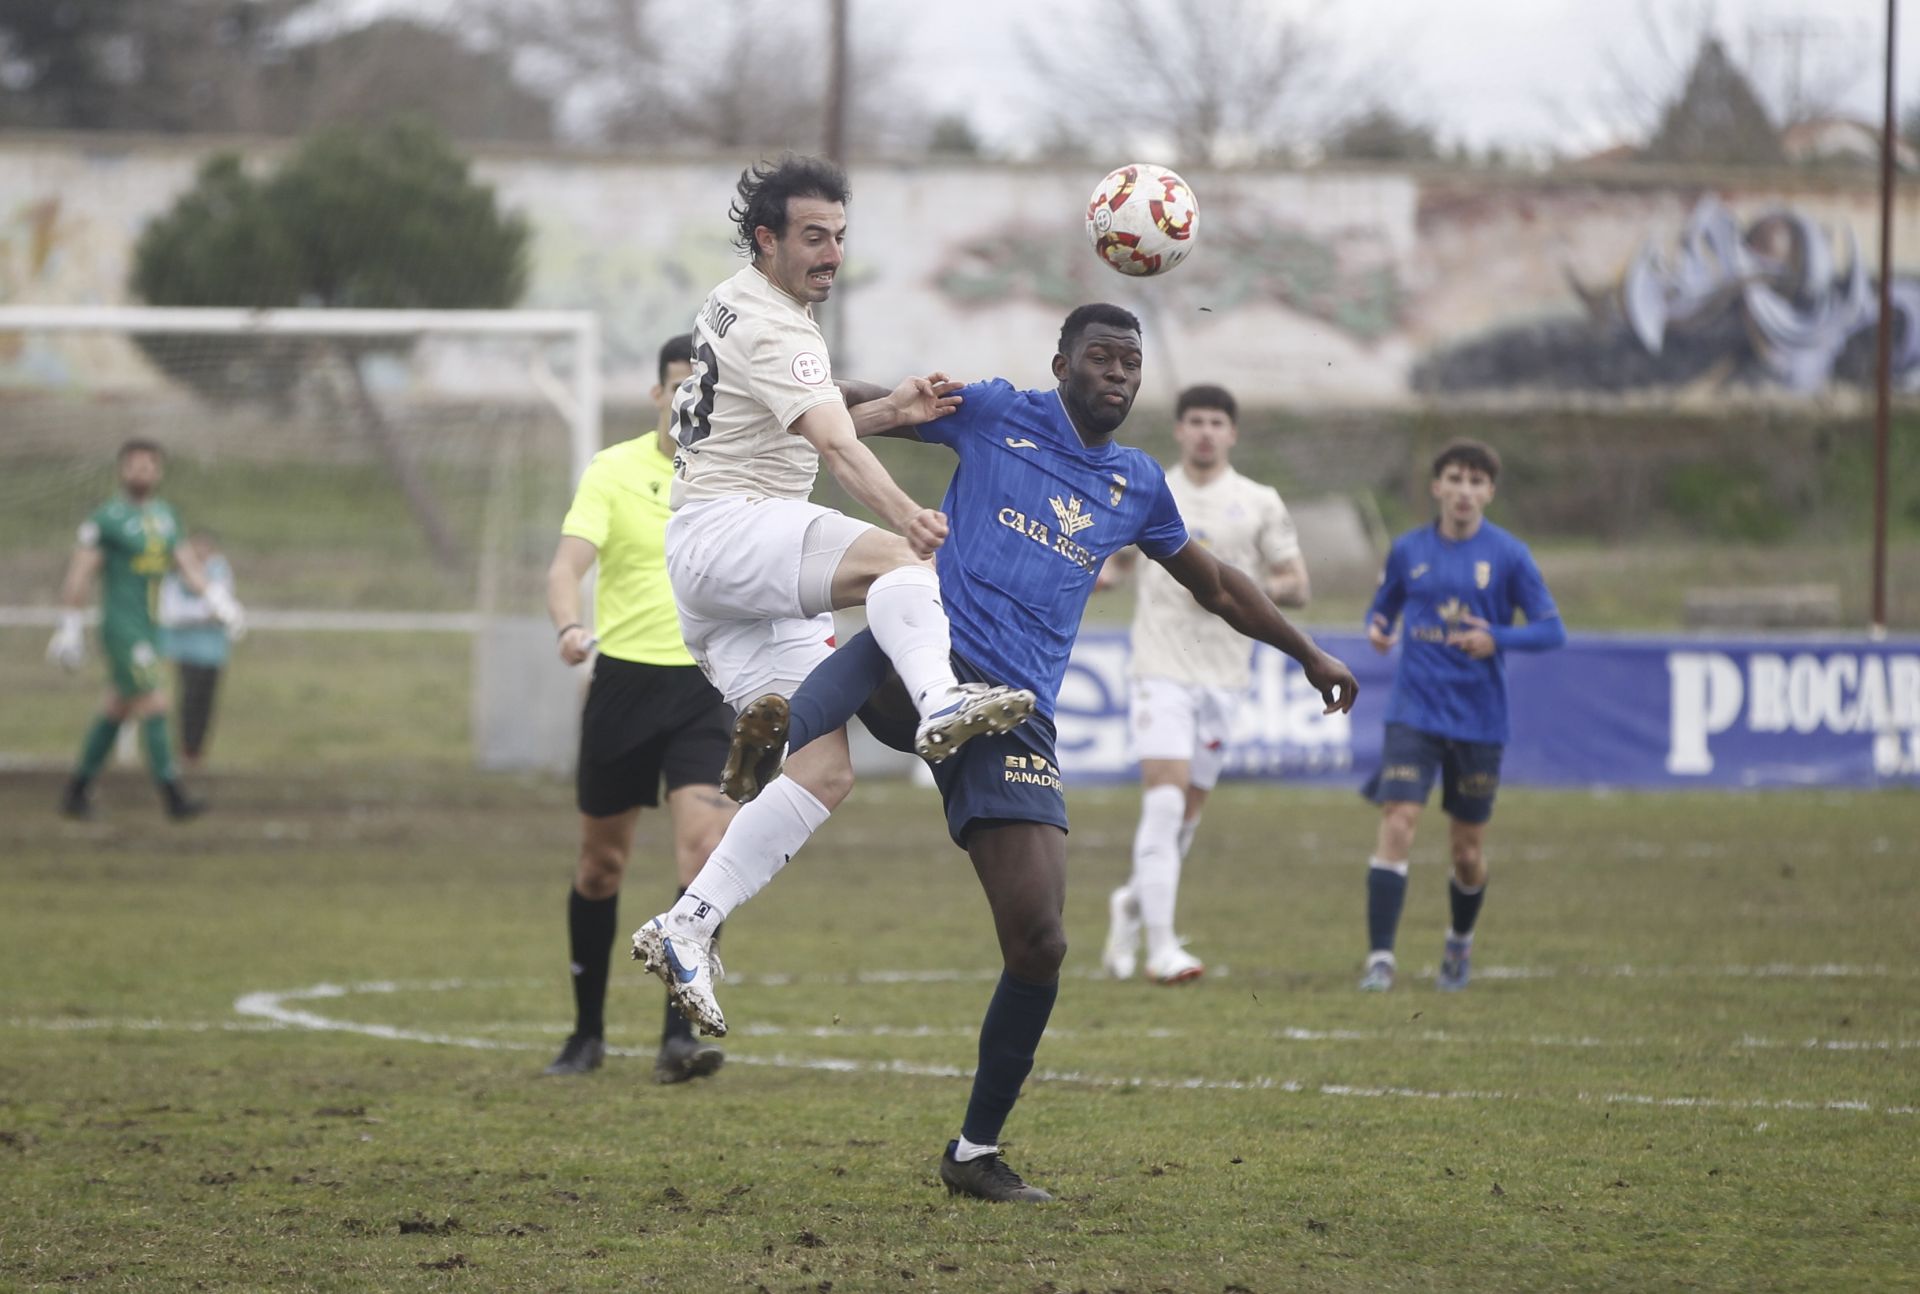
{"points": [[1141, 219]]}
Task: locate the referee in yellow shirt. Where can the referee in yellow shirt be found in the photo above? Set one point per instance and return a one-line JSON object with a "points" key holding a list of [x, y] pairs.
{"points": [[650, 714]]}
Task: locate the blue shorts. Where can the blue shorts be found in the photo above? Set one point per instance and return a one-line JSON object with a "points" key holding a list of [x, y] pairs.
{"points": [[1469, 772], [1007, 777]]}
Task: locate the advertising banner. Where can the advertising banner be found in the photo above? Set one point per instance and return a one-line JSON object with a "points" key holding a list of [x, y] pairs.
{"points": [[1606, 710]]}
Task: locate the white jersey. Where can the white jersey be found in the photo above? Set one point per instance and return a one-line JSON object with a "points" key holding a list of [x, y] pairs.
{"points": [[1244, 524], [759, 363]]}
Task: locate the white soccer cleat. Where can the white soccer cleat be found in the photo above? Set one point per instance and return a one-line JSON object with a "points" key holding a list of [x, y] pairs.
{"points": [[1175, 966], [1123, 934], [688, 968], [982, 708]]}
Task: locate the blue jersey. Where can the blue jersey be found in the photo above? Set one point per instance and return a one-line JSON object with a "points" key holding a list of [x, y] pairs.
{"points": [[1432, 583], [1034, 512]]}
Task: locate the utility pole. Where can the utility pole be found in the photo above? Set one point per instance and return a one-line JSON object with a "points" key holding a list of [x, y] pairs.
{"points": [[836, 125], [1883, 371], [836, 150]]}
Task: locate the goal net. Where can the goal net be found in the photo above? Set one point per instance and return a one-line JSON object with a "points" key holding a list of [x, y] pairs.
{"points": [[363, 470]]}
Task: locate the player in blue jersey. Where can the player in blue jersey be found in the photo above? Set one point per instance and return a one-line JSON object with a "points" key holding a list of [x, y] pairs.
{"points": [[1042, 495], [1454, 586]]}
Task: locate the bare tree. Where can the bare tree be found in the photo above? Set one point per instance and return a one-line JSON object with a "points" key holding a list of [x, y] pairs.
{"points": [[751, 74], [1220, 81], [1799, 68]]}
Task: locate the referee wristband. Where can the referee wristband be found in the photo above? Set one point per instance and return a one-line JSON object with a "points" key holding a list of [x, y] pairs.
{"points": [[566, 629]]}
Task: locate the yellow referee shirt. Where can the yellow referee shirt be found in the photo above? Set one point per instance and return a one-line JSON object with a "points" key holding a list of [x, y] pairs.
{"points": [[621, 509]]}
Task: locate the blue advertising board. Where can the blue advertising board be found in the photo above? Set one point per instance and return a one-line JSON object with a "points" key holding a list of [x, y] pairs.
{"points": [[1605, 710]]}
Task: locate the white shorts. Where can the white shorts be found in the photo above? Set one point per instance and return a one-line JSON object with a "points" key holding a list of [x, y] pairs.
{"points": [[1171, 720], [735, 564]]}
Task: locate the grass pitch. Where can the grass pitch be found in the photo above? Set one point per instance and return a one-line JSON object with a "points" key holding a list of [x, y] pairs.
{"points": [[294, 1045]]}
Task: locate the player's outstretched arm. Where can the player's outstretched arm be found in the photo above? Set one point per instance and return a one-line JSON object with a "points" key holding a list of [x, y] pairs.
{"points": [[68, 649], [879, 412], [1236, 599], [829, 429], [571, 561]]}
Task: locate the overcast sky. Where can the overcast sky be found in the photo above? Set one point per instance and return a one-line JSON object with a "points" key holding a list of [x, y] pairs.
{"points": [[1532, 74]]}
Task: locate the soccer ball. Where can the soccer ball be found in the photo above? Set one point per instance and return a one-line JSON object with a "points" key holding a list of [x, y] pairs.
{"points": [[1141, 219]]}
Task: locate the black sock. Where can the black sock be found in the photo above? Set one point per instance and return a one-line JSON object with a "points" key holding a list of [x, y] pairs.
{"points": [[1009, 1036], [590, 924], [1386, 892], [676, 1025], [1466, 907]]}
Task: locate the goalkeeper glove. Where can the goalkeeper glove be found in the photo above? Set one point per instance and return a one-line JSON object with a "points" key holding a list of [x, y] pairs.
{"points": [[227, 610], [68, 649]]}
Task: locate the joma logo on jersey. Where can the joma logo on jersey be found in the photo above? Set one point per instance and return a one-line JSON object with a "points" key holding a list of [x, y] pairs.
{"points": [[1036, 530], [1482, 574], [1119, 490]]}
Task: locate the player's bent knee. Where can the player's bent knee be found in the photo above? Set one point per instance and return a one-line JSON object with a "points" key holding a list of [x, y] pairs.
{"points": [[1040, 954]]}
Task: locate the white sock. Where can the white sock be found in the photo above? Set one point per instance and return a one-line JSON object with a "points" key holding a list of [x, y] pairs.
{"points": [[1187, 829], [1400, 868], [1156, 864], [1459, 938], [965, 1150], [759, 841], [904, 612]]}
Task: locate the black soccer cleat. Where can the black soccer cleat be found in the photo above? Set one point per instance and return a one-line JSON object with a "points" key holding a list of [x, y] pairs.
{"points": [[987, 1178], [180, 805], [758, 749], [682, 1058], [580, 1054], [76, 802]]}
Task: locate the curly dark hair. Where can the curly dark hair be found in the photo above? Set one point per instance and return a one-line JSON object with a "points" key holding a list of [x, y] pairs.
{"points": [[1084, 317], [763, 190]]}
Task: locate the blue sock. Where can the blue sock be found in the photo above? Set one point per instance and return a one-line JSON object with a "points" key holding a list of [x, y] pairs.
{"points": [[1009, 1035], [839, 689], [1466, 906], [1386, 891]]}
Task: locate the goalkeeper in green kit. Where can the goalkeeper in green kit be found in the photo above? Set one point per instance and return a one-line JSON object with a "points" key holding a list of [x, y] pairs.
{"points": [[130, 543]]}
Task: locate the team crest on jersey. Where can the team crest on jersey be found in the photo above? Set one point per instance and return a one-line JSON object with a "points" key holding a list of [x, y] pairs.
{"points": [[1417, 571], [1119, 490], [1482, 574], [1072, 519]]}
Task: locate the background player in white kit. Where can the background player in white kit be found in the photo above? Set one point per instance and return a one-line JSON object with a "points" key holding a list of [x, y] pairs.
{"points": [[1190, 669], [758, 570]]}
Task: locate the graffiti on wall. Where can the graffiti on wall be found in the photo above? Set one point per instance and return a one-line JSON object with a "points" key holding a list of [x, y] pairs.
{"points": [[1777, 302]]}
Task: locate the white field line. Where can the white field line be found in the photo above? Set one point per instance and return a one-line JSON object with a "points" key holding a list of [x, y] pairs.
{"points": [[543, 1028], [273, 1006]]}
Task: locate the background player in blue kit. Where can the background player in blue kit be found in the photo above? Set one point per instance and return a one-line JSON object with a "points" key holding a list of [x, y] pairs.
{"points": [[1454, 586], [1041, 497]]}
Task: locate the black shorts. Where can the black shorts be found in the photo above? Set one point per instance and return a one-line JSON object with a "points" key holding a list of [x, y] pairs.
{"points": [[1410, 758], [1007, 777], [642, 722]]}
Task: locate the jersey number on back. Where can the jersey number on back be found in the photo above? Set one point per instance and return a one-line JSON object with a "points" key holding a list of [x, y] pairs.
{"points": [[693, 402]]}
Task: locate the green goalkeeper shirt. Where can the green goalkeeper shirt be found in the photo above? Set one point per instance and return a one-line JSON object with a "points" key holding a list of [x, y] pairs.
{"points": [[136, 543]]}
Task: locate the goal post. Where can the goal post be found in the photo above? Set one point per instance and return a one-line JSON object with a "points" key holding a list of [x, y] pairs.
{"points": [[580, 404], [364, 469]]}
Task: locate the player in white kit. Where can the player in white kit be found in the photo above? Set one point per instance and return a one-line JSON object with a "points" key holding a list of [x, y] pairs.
{"points": [[758, 570], [1189, 670]]}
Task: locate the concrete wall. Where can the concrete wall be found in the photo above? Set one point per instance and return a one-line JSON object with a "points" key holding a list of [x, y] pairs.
{"points": [[1321, 287]]}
